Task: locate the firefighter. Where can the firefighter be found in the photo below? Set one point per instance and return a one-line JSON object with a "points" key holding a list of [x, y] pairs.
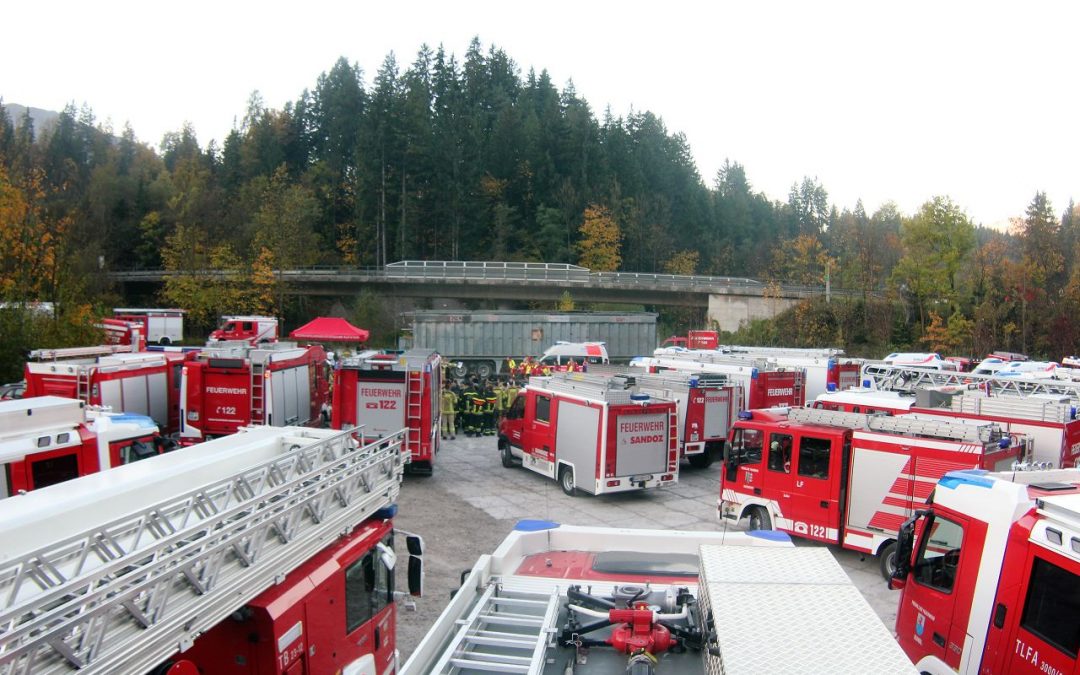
{"points": [[528, 367], [511, 393], [491, 407], [511, 365], [571, 366], [459, 418], [503, 392], [448, 408], [470, 420]]}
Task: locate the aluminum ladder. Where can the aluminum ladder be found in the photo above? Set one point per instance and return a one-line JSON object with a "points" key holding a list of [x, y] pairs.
{"points": [[414, 407], [909, 378], [258, 394], [504, 633], [124, 595], [910, 425]]}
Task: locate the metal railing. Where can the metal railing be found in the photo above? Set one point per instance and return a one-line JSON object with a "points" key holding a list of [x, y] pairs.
{"points": [[520, 272]]}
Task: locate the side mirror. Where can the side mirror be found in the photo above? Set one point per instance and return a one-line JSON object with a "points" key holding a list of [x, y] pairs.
{"points": [[416, 576], [414, 543]]}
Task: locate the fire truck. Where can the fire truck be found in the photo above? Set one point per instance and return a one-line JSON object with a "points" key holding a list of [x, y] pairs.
{"points": [[567, 599], [764, 384], [226, 387], [119, 332], [47, 440], [254, 330], [707, 408], [825, 368], [848, 478], [379, 393], [887, 377], [694, 339], [591, 433], [111, 376], [990, 575], [267, 552], [161, 326], [1049, 421]]}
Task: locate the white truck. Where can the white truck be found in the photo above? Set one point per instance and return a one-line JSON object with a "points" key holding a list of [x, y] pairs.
{"points": [[160, 326], [591, 600]]}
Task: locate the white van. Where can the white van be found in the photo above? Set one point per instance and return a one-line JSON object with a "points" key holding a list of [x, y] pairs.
{"points": [[560, 353], [920, 360]]}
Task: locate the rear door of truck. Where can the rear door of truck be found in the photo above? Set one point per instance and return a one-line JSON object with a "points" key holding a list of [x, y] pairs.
{"points": [[638, 441]]}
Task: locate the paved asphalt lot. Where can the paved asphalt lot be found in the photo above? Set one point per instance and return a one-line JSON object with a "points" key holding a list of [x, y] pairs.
{"points": [[471, 503]]}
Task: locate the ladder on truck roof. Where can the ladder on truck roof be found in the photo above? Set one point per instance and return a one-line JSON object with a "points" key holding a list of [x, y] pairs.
{"points": [[504, 633], [258, 393], [910, 378], [782, 351], [714, 358], [911, 425], [681, 378], [1027, 408], [79, 352], [614, 390], [123, 593]]}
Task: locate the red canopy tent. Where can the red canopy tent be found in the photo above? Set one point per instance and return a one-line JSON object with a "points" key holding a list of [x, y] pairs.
{"points": [[330, 329]]}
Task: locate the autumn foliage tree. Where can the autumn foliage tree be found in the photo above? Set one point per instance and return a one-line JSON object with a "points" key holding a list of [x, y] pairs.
{"points": [[601, 240]]}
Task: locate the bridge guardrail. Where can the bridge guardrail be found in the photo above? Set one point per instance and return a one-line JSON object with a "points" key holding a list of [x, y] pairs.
{"points": [[523, 272]]}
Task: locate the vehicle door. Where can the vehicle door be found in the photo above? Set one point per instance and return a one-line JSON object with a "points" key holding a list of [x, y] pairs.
{"points": [[1046, 638], [539, 436], [777, 479], [937, 599], [743, 462], [816, 478]]}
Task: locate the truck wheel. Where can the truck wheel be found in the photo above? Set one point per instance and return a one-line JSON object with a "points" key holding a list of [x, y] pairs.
{"points": [[459, 372], [759, 519], [702, 460], [164, 341], [484, 370], [566, 481], [887, 559], [507, 456]]}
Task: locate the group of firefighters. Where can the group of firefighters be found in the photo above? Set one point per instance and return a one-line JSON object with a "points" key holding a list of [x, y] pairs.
{"points": [[529, 367], [475, 407]]}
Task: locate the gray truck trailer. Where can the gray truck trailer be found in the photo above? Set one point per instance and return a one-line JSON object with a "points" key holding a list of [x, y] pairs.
{"points": [[482, 341]]}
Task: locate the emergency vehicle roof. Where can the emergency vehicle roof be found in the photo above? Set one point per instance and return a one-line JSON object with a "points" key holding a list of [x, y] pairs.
{"points": [[330, 329]]}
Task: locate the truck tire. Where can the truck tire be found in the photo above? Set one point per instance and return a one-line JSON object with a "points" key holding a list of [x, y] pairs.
{"points": [[164, 341], [484, 370], [758, 519], [887, 559], [507, 456], [459, 372], [566, 481], [701, 460]]}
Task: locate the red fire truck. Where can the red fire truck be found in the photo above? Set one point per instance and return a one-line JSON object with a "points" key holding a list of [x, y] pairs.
{"points": [[270, 552], [826, 369], [380, 393], [990, 573], [764, 385], [707, 405], [847, 478], [225, 388], [1050, 421], [254, 330], [591, 433], [120, 332], [160, 326], [47, 440], [139, 383], [694, 339]]}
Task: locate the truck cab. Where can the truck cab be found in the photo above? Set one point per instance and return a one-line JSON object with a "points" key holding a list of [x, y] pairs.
{"points": [[801, 467], [990, 575], [252, 329]]}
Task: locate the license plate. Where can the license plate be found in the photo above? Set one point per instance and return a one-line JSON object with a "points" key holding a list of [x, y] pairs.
{"points": [[641, 478]]}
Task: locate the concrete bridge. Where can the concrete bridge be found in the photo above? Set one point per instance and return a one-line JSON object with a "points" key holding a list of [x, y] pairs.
{"points": [[729, 301]]}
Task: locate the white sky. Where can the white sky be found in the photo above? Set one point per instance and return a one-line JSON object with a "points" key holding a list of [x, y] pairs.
{"points": [[879, 101]]}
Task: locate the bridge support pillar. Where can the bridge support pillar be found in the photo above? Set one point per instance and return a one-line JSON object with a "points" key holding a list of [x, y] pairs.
{"points": [[729, 312]]}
